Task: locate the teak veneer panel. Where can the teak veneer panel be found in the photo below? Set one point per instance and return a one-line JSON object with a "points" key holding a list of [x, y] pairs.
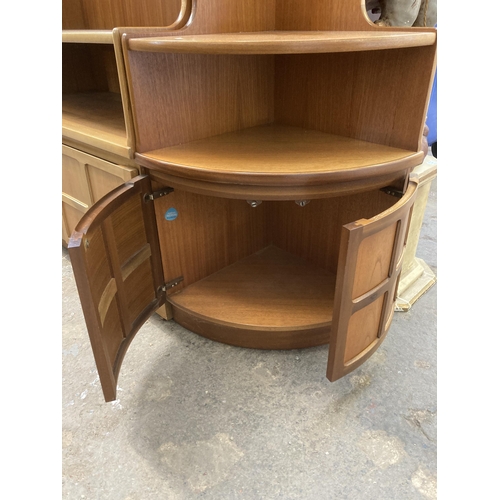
{"points": [[278, 155], [179, 98], [371, 96], [103, 15], [283, 42], [322, 15], [370, 263], [273, 298], [313, 231], [362, 330], [208, 234]]}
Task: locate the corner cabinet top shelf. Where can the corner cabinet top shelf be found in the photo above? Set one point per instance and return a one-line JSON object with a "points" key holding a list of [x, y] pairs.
{"points": [[284, 42]]}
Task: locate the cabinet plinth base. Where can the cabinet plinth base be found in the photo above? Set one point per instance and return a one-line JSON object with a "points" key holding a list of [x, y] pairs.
{"points": [[254, 339]]}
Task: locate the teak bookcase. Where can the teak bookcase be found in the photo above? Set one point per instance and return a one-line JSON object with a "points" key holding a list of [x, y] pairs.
{"points": [[275, 142], [97, 131]]}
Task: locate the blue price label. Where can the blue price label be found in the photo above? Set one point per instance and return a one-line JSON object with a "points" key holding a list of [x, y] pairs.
{"points": [[171, 214]]}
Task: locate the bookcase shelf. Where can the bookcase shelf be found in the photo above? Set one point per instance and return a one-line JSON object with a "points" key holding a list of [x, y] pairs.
{"points": [[87, 36], [283, 42], [96, 118]]}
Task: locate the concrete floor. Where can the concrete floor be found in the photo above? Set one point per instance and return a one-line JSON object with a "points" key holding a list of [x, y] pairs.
{"points": [[199, 419]]}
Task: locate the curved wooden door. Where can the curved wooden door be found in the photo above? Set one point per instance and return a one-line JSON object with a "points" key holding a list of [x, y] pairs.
{"points": [[115, 255], [370, 262]]}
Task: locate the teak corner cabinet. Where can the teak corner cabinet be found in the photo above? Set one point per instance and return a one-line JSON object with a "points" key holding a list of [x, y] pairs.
{"points": [[274, 143]]}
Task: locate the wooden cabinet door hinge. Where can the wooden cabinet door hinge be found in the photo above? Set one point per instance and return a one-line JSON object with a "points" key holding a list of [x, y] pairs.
{"points": [[393, 191], [172, 283], [158, 194]]}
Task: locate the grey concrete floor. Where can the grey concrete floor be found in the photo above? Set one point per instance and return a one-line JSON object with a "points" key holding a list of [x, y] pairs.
{"points": [[199, 419]]}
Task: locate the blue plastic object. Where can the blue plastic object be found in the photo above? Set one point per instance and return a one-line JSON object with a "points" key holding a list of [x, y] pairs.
{"points": [[432, 114]]}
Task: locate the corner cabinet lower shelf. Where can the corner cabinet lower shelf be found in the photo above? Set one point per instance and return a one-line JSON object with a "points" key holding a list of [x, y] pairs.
{"points": [[269, 300], [277, 162]]}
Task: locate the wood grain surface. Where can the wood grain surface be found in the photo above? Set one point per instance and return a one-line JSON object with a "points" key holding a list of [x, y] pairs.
{"points": [[278, 155], [370, 262], [106, 15], [96, 119], [283, 42], [88, 36], [271, 289], [178, 98], [379, 97], [208, 234]]}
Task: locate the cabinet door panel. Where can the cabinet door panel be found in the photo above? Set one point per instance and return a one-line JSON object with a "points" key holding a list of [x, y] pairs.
{"points": [[115, 255], [370, 262]]}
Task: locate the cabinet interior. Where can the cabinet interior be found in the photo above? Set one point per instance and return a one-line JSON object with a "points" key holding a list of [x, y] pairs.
{"points": [[88, 67], [261, 265], [180, 98], [92, 107]]}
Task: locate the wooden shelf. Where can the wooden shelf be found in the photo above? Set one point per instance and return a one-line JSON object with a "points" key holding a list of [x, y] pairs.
{"points": [[87, 36], [271, 299], [279, 155], [96, 119], [284, 42]]}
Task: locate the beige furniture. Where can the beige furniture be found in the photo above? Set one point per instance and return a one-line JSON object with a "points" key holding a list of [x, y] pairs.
{"points": [[416, 276], [276, 142]]}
